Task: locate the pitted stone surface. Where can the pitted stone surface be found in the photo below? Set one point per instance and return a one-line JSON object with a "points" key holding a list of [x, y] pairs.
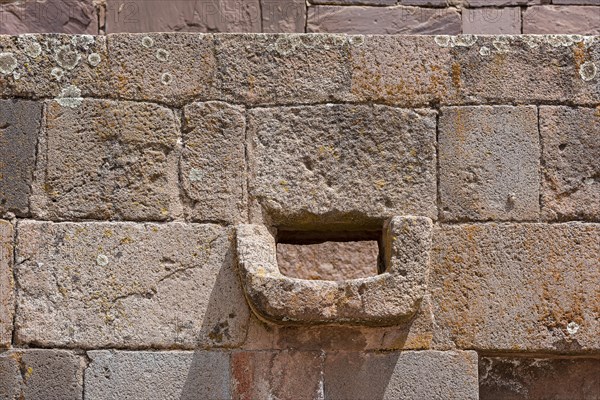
{"points": [[489, 163], [517, 287], [341, 164], [571, 173], [107, 160], [20, 123], [6, 283], [148, 375], [213, 168], [128, 285]]}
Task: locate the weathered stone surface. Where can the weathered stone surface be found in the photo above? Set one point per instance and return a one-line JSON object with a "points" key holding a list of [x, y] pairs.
{"points": [[52, 16], [276, 374], [330, 261], [498, 3], [517, 287], [102, 159], [53, 65], [492, 21], [20, 122], [41, 374], [546, 19], [341, 164], [283, 69], [169, 67], [430, 3], [7, 306], [182, 16], [405, 375], [577, 2], [489, 163], [283, 16], [147, 375], [571, 173], [538, 378], [355, 2], [213, 167], [383, 20], [127, 285]]}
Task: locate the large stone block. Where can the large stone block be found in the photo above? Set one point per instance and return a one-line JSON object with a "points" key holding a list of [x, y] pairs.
{"points": [[489, 163], [352, 165], [213, 167], [383, 20], [147, 375], [7, 298], [128, 285], [571, 19], [355, 2], [521, 378], [41, 374], [102, 159], [20, 122], [283, 16], [492, 21], [172, 68], [405, 375], [571, 173], [517, 287]]}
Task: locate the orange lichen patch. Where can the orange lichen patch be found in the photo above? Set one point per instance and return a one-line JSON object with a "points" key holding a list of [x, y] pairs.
{"points": [[579, 55], [456, 71]]}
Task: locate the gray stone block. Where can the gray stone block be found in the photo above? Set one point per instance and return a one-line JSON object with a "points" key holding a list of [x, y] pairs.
{"points": [[126, 285], [491, 21], [572, 19], [148, 375], [20, 123], [489, 163], [7, 298], [355, 2], [283, 16]]}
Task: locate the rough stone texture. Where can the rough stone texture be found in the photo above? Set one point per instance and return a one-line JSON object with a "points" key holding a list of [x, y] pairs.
{"points": [[530, 378], [355, 2], [52, 16], [283, 69], [571, 173], [6, 283], [283, 16], [429, 3], [41, 374], [280, 375], [331, 261], [546, 19], [341, 164], [92, 285], [172, 68], [489, 163], [497, 3], [406, 375], [492, 21], [147, 375], [213, 168], [380, 20], [182, 16], [107, 160], [577, 2], [517, 287], [20, 122]]}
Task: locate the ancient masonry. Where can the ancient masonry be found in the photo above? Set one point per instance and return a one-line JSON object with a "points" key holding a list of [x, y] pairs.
{"points": [[146, 180]]}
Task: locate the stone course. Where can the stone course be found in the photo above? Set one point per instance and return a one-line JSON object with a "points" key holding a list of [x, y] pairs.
{"points": [[7, 297]]}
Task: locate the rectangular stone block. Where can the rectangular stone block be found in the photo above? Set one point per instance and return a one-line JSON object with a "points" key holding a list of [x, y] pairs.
{"points": [[577, 2], [355, 2], [383, 20], [172, 68], [7, 298], [283, 16], [517, 287], [41, 374], [582, 20], [498, 3], [427, 3], [506, 378], [282, 69], [492, 21], [149, 375], [489, 163], [20, 122], [101, 159], [213, 167], [345, 165], [401, 375], [126, 285], [571, 173]]}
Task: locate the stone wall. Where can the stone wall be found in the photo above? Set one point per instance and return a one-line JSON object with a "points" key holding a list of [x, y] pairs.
{"points": [[128, 163]]}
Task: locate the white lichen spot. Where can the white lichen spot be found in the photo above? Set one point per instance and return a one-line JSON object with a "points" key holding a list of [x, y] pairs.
{"points": [[8, 63], [442, 40], [102, 260], [576, 38], [57, 73], [484, 51], [588, 181], [147, 41], [94, 59], [357, 40], [572, 328], [284, 45], [464, 40], [195, 175], [162, 55], [166, 78], [16, 75], [588, 41], [70, 96], [588, 71], [66, 57], [83, 40], [33, 49], [532, 41], [501, 46]]}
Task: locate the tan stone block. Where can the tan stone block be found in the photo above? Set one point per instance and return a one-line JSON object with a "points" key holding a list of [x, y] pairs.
{"points": [[571, 19], [126, 285], [283, 16], [7, 298], [491, 21]]}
